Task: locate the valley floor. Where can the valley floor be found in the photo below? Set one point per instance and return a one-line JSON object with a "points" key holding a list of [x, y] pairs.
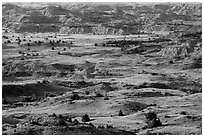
{"points": [[58, 82]]}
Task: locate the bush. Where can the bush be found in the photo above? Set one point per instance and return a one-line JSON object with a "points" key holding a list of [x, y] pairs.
{"points": [[52, 95], [152, 120], [151, 115], [75, 97], [53, 115], [106, 98], [197, 63], [61, 122], [27, 99], [183, 113], [101, 126], [171, 62], [109, 126], [90, 124], [154, 123], [4, 101], [75, 122], [60, 116], [45, 81], [85, 118], [154, 74], [120, 113], [99, 95], [70, 120], [87, 92]]}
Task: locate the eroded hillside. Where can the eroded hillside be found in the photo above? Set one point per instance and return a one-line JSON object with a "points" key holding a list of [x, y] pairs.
{"points": [[76, 18]]}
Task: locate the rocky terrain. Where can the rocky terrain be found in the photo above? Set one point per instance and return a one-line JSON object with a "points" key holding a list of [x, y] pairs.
{"points": [[101, 18], [101, 69]]}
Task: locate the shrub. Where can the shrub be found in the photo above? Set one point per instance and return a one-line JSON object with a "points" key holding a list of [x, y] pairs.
{"points": [[183, 113], [75, 122], [99, 95], [34, 122], [101, 126], [152, 120], [45, 81], [60, 116], [154, 74], [120, 113], [52, 95], [151, 115], [54, 115], [171, 62], [27, 99], [109, 126], [197, 63], [90, 124], [154, 123], [87, 92], [70, 120], [75, 97], [61, 122], [85, 118], [4, 101]]}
